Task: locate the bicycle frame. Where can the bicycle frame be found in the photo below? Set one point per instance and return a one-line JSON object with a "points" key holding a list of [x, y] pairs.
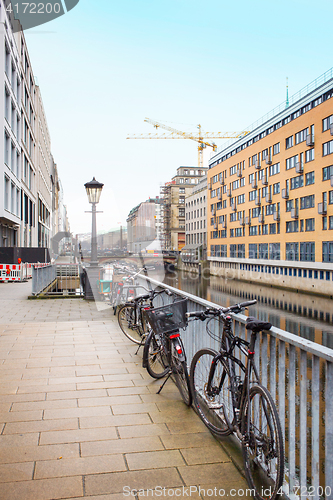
{"points": [[227, 348]]}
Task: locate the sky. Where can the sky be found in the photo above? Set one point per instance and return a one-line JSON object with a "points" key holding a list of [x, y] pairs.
{"points": [[105, 66]]}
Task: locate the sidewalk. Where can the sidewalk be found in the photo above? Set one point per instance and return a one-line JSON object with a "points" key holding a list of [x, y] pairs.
{"points": [[79, 417]]}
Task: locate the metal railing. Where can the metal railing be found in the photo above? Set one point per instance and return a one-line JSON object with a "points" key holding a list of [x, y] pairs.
{"points": [[299, 375], [42, 277], [56, 279]]}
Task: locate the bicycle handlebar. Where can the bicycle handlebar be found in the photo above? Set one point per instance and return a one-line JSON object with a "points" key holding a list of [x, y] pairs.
{"points": [[213, 311]]}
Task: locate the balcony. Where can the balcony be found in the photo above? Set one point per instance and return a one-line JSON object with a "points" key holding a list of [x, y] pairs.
{"points": [[322, 208], [248, 221], [233, 206], [222, 181], [310, 140], [254, 184], [264, 180], [285, 193], [261, 219], [268, 198], [241, 222], [239, 173], [258, 201], [294, 213], [229, 192], [299, 167], [268, 160], [224, 224], [276, 215]]}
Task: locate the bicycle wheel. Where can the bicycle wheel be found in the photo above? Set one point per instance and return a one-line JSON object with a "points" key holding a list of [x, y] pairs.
{"points": [[215, 406], [128, 324], [154, 356], [263, 449], [180, 374]]}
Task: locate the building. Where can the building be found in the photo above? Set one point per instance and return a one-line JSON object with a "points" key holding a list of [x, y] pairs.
{"points": [[143, 225], [28, 179], [10, 138], [173, 195], [195, 224], [270, 205]]}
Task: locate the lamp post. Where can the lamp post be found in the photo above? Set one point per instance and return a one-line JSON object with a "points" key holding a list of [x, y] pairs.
{"points": [[94, 190]]}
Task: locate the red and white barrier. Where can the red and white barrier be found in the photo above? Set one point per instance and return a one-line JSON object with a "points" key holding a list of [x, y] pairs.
{"points": [[17, 272], [10, 272]]}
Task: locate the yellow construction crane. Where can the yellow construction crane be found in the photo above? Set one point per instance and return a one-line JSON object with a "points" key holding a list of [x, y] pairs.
{"points": [[200, 137]]}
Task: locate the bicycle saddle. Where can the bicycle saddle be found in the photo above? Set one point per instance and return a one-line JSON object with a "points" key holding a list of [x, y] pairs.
{"points": [[256, 325]]}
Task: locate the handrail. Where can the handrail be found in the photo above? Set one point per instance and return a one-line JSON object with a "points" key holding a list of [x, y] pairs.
{"points": [[292, 368]]}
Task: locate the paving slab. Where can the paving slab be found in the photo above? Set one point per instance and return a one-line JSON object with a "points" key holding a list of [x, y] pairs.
{"points": [[80, 417]]}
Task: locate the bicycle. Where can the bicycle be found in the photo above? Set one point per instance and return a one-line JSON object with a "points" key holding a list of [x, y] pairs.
{"points": [[229, 403], [131, 316], [164, 348]]}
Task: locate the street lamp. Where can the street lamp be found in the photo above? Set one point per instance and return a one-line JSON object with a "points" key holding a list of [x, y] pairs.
{"points": [[94, 190]]}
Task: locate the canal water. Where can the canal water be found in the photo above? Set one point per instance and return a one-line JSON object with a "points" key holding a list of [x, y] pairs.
{"points": [[308, 316]]}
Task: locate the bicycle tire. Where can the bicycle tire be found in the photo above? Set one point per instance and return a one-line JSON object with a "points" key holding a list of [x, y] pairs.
{"points": [[126, 320], [180, 374], [263, 450], [212, 409], [154, 356]]}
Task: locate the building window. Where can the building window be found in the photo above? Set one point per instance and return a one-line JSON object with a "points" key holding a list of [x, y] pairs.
{"points": [[328, 148], [327, 172], [292, 226], [289, 142], [272, 228], [253, 251], [233, 250], [296, 182], [276, 148], [274, 251], [276, 188], [307, 202], [270, 209], [309, 224], [309, 178], [309, 154], [307, 251], [253, 230], [292, 251], [182, 190], [291, 162], [327, 251], [327, 122], [252, 195], [241, 251], [263, 250], [233, 169], [274, 169], [289, 205], [6, 193], [301, 136]]}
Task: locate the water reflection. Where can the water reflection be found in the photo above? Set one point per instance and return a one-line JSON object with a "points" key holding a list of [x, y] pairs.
{"points": [[304, 315]]}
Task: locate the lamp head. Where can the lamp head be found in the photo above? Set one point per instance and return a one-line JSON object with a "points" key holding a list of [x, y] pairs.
{"points": [[94, 190]]}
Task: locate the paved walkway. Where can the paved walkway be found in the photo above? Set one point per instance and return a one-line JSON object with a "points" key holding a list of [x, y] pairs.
{"points": [[79, 417]]}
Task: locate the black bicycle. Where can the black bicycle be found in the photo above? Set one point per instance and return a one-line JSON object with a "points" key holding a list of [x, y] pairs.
{"points": [[131, 317], [230, 399], [164, 353]]}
